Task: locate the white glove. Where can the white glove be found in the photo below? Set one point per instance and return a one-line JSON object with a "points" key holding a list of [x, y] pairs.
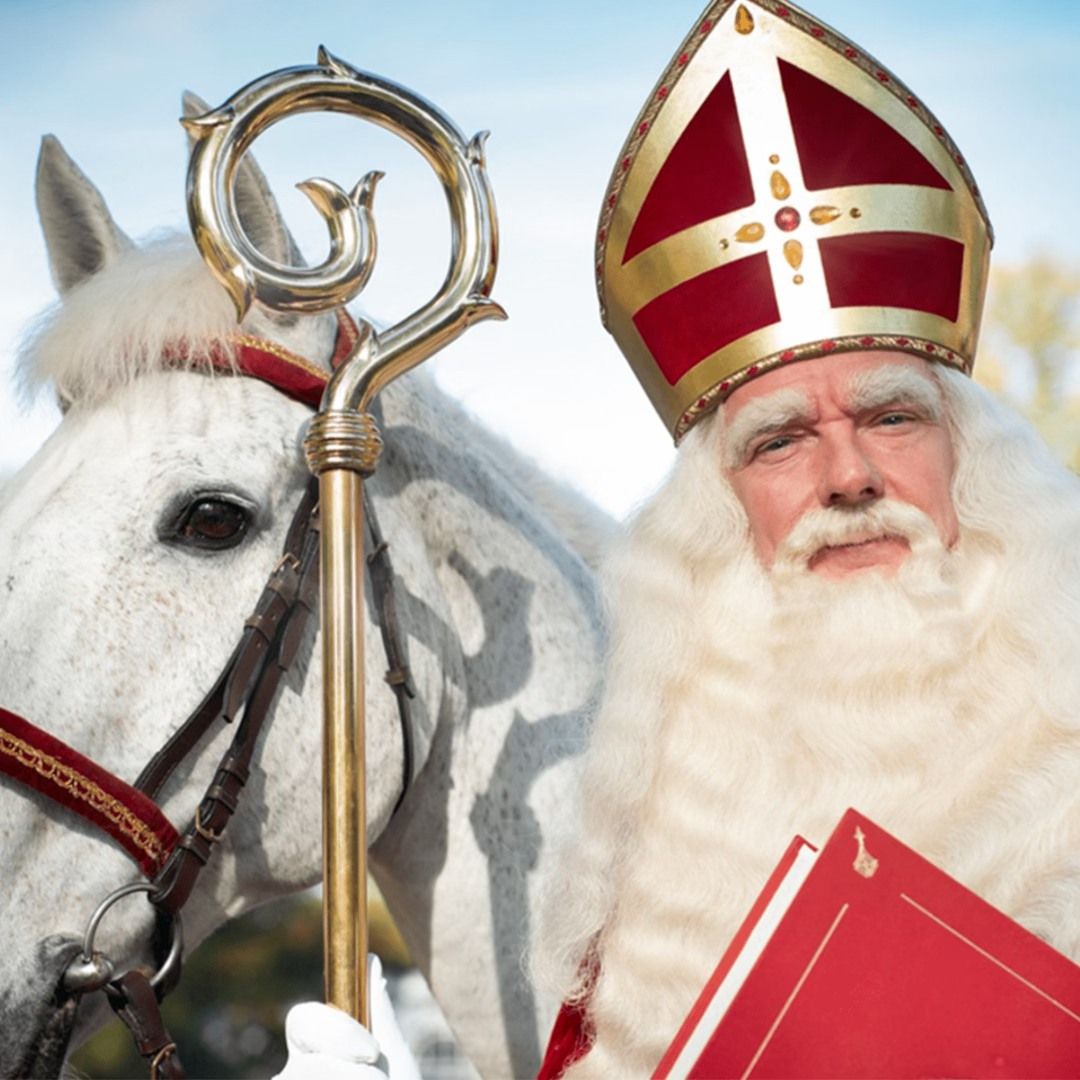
{"points": [[328, 1044]]}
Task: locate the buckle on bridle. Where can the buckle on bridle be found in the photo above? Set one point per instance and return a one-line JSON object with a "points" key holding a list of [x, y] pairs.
{"points": [[209, 835], [287, 559]]}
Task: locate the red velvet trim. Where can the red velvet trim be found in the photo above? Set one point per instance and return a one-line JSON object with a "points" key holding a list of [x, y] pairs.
{"points": [[291, 379], [571, 1036], [684, 325], [42, 762], [705, 175], [277, 366], [917, 271], [841, 142], [291, 374], [346, 338], [569, 1041]]}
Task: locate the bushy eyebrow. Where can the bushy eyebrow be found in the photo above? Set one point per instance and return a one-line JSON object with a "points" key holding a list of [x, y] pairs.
{"points": [[888, 385], [763, 416], [894, 384]]}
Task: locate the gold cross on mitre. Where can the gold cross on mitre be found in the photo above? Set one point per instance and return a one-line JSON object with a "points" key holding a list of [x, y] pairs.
{"points": [[783, 196]]}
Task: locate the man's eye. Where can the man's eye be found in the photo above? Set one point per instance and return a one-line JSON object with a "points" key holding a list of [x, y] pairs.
{"points": [[895, 419], [773, 445]]}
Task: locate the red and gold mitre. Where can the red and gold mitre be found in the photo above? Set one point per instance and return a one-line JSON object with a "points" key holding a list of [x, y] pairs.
{"points": [[783, 196]]}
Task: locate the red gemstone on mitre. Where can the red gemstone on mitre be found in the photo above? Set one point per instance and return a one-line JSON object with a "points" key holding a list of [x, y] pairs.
{"points": [[724, 386], [850, 53], [752, 370], [662, 93], [817, 31], [828, 346], [787, 355], [683, 59], [706, 26], [930, 348], [867, 341], [787, 218], [643, 127], [902, 341]]}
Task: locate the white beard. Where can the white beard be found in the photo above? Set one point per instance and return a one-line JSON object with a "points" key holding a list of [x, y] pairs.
{"points": [[743, 709]]}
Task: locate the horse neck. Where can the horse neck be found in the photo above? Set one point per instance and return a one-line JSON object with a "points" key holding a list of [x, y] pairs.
{"points": [[460, 861]]}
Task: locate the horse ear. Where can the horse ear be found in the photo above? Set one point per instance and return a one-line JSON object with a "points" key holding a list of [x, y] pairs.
{"points": [[260, 217], [81, 237]]}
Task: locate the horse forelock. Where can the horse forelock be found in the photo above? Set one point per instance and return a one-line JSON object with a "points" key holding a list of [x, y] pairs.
{"points": [[154, 307]]}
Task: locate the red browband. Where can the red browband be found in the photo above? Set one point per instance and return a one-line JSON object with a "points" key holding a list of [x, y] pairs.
{"points": [[41, 761], [45, 763], [286, 371]]}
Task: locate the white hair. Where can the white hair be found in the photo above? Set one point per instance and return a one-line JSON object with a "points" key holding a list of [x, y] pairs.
{"points": [[739, 711], [119, 325]]}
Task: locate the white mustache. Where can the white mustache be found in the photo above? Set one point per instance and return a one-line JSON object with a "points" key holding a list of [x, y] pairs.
{"points": [[824, 527]]}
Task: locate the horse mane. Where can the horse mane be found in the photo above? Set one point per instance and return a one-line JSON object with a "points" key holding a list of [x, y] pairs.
{"points": [[119, 324], [116, 326]]}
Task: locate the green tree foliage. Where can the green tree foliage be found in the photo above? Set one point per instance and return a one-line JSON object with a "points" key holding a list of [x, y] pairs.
{"points": [[1030, 342]]}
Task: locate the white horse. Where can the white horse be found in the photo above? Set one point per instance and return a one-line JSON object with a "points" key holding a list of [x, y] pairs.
{"points": [[114, 622]]}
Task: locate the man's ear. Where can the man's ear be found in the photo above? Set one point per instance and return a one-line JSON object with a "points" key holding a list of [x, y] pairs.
{"points": [[81, 237], [260, 217]]}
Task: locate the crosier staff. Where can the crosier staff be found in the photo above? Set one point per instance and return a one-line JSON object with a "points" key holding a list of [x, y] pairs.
{"points": [[343, 441]]}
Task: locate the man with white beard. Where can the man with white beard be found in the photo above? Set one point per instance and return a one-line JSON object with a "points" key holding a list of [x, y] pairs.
{"points": [[858, 587]]}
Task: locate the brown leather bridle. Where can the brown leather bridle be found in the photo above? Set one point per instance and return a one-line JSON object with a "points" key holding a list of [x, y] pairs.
{"points": [[243, 694]]}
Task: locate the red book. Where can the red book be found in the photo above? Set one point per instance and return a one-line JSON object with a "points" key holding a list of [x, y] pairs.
{"points": [[865, 960]]}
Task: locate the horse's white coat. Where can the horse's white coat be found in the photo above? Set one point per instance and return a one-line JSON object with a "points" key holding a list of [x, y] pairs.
{"points": [[110, 635]]}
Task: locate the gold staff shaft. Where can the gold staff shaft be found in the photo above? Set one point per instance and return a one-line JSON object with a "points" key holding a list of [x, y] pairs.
{"points": [[345, 931], [342, 447]]}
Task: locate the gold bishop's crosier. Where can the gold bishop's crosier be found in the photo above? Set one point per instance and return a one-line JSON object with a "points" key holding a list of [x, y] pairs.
{"points": [[343, 442]]}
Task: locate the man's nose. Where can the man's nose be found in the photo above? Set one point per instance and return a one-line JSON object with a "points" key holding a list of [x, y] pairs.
{"points": [[849, 476]]}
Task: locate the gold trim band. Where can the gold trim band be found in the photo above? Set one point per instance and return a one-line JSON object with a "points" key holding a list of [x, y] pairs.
{"points": [[84, 790]]}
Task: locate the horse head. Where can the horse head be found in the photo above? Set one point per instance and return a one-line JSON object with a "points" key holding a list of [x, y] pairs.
{"points": [[133, 546]]}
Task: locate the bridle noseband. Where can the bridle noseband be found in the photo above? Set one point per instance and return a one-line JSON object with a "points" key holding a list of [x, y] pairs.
{"points": [[243, 694]]}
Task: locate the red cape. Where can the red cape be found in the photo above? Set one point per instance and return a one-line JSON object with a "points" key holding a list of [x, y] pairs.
{"points": [[570, 1040]]}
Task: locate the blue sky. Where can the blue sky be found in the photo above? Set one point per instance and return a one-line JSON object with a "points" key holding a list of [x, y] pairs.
{"points": [[558, 84]]}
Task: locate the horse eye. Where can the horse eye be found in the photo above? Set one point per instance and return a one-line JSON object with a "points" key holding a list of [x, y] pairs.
{"points": [[212, 522]]}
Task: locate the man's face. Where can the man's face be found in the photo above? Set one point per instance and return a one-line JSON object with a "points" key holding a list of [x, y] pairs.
{"points": [[840, 432]]}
